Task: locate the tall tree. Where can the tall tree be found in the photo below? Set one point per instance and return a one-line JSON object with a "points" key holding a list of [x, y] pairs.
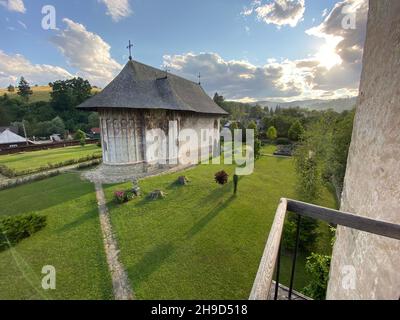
{"points": [[24, 90], [65, 96], [272, 134], [219, 100], [295, 131]]}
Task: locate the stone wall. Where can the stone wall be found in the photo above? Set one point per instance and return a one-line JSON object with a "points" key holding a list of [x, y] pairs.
{"points": [[366, 266]]}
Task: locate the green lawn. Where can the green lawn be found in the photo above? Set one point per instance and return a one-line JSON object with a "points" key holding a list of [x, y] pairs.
{"points": [[201, 242], [34, 160], [268, 149], [71, 242]]}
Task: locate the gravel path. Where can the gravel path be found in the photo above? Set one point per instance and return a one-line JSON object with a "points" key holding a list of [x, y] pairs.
{"points": [[121, 286]]}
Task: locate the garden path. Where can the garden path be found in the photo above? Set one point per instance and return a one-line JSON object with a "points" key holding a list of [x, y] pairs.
{"points": [[121, 286]]}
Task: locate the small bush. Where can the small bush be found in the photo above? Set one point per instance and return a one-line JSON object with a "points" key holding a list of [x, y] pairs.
{"points": [[283, 141], [15, 228], [317, 266], [79, 135], [221, 177], [5, 171], [122, 196]]}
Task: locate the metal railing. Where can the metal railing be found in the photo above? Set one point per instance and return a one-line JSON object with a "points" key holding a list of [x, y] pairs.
{"points": [[272, 252]]}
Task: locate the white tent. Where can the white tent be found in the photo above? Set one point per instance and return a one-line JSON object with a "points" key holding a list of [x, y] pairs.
{"points": [[7, 136]]}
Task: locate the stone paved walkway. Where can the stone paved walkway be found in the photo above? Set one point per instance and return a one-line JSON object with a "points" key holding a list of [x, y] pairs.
{"points": [[121, 286]]}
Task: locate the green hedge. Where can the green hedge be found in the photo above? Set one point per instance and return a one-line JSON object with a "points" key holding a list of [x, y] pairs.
{"points": [[44, 175], [15, 228], [12, 173]]}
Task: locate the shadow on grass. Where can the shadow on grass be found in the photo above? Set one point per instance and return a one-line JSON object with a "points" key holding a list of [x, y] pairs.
{"points": [[150, 262], [43, 194], [79, 221], [210, 216]]}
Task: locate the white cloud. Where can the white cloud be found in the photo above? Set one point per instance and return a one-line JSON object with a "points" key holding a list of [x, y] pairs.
{"points": [[316, 77], [332, 71], [12, 67], [117, 9], [235, 79], [277, 12], [250, 9], [343, 47], [14, 5], [87, 52]]}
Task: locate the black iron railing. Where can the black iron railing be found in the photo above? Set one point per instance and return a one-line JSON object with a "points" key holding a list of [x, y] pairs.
{"points": [[272, 252]]}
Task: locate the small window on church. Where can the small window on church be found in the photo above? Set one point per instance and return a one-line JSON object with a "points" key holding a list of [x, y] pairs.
{"points": [[216, 124]]}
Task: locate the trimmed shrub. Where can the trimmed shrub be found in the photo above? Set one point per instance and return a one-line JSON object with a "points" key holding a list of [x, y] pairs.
{"points": [[221, 177], [15, 228], [272, 134]]}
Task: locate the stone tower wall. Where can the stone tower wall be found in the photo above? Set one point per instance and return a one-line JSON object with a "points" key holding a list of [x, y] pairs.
{"points": [[366, 266]]}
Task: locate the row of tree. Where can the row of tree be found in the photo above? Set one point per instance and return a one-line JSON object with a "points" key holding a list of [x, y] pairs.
{"points": [[57, 116]]}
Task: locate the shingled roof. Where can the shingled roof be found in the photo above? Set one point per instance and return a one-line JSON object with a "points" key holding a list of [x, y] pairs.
{"points": [[139, 86]]}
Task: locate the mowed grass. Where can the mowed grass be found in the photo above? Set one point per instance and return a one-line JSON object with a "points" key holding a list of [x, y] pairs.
{"points": [[71, 242], [201, 242], [36, 159]]}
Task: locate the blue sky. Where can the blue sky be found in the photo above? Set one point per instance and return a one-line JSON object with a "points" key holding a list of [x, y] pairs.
{"points": [[246, 50]]}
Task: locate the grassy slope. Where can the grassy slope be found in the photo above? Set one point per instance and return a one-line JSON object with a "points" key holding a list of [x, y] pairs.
{"points": [[201, 242], [71, 242], [36, 159], [40, 93]]}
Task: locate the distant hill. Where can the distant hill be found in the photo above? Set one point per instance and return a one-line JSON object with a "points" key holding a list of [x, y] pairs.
{"points": [[40, 93], [338, 105]]}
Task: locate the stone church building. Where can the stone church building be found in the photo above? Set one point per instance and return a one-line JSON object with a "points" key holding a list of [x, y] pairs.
{"points": [[142, 98]]}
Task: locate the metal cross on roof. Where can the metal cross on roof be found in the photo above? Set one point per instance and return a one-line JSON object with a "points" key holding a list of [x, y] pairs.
{"points": [[130, 51], [199, 76]]}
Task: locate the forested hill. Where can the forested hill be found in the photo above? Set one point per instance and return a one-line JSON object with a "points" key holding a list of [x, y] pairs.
{"points": [[338, 105]]}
